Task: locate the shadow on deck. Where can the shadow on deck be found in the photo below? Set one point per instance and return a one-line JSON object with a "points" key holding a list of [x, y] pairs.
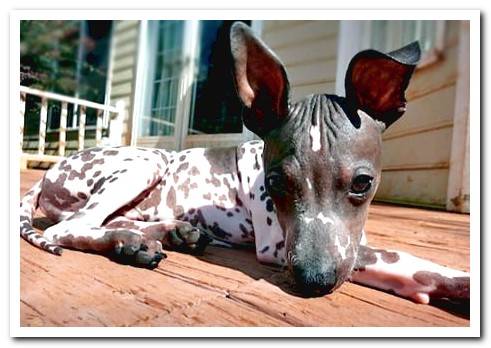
{"points": [[229, 288]]}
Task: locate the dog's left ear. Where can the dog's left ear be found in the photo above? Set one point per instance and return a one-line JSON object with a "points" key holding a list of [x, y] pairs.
{"points": [[261, 81], [376, 82]]}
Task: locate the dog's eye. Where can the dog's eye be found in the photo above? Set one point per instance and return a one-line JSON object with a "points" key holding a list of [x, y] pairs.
{"points": [[361, 184]]}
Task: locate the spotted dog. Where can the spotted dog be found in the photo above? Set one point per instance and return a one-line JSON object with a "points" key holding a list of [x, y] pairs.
{"points": [[300, 194]]}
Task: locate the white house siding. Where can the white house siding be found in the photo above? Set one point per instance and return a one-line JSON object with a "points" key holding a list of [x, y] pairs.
{"points": [[416, 149], [308, 50], [123, 62]]}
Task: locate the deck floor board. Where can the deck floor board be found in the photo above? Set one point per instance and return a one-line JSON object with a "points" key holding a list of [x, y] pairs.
{"points": [[230, 288]]}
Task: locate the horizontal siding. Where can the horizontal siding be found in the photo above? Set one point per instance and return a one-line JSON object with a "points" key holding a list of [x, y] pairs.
{"points": [[424, 114], [421, 187], [313, 88], [308, 51], [124, 57], [424, 149], [416, 149]]}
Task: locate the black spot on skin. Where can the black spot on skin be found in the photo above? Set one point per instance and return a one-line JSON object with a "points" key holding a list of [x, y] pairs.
{"points": [[268, 221], [269, 205], [90, 182], [217, 231], [97, 185], [244, 231], [263, 250], [368, 256], [261, 188], [263, 196], [115, 172], [256, 164], [97, 173], [124, 170], [182, 158], [81, 195], [194, 171], [251, 195], [207, 196], [101, 190], [171, 198], [113, 179], [253, 150], [214, 181], [128, 159], [239, 202], [93, 205], [237, 210], [444, 287], [230, 214], [110, 153]]}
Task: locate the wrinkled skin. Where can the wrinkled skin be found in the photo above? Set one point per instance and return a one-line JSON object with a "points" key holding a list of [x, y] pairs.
{"points": [[312, 187]]}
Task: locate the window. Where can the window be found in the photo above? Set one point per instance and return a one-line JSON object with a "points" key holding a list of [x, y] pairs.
{"points": [[166, 78], [180, 51], [216, 107]]}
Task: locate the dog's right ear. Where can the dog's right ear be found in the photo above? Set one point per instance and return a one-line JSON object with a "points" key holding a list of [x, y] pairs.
{"points": [[261, 81]]}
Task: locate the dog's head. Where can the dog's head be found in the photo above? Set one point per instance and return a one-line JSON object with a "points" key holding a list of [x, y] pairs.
{"points": [[321, 154]]}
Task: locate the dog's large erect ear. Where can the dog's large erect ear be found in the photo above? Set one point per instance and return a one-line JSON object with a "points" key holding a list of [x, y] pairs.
{"points": [[261, 80], [375, 82]]}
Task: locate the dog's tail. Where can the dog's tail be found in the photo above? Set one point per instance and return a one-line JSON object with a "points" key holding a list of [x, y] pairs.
{"points": [[28, 206]]}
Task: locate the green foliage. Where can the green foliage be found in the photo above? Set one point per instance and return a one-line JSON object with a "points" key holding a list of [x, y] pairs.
{"points": [[48, 54], [49, 58]]}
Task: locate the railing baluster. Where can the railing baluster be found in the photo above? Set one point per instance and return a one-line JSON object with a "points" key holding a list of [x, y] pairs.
{"points": [[62, 137], [22, 113], [42, 125], [81, 128], [98, 128]]}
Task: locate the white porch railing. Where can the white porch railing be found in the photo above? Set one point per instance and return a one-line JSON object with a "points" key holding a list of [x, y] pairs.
{"points": [[108, 117]]}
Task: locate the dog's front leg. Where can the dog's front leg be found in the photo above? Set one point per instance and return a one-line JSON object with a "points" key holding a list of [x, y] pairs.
{"points": [[409, 276]]}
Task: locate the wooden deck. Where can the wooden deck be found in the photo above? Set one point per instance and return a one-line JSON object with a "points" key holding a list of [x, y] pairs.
{"points": [[229, 288]]}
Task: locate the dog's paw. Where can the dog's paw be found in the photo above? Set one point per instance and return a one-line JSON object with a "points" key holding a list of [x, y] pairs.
{"points": [[189, 239], [139, 253]]}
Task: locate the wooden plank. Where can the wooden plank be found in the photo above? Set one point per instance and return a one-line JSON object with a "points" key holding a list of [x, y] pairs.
{"points": [[81, 127], [64, 98], [22, 112], [62, 136], [42, 125], [412, 150], [299, 92], [309, 51], [425, 187], [320, 72], [98, 128], [311, 30], [425, 113], [458, 192]]}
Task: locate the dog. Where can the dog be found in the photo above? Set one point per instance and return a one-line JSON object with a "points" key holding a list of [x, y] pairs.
{"points": [[300, 194]]}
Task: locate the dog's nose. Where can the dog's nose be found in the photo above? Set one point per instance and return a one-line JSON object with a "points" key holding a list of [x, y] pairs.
{"points": [[312, 283]]}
